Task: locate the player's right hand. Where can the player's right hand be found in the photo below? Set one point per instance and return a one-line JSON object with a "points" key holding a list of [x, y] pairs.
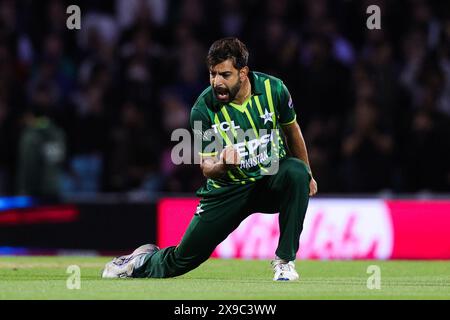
{"points": [[230, 156]]}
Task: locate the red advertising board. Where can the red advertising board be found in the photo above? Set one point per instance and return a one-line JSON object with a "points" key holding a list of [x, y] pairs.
{"points": [[333, 229]]}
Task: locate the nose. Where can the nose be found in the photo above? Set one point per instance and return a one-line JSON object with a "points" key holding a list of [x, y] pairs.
{"points": [[216, 81]]}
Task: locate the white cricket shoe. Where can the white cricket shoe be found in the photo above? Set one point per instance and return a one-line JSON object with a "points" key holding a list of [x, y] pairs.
{"points": [[284, 270], [122, 267]]}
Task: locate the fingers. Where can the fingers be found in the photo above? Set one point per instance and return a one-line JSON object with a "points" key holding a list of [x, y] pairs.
{"points": [[230, 156], [312, 188]]}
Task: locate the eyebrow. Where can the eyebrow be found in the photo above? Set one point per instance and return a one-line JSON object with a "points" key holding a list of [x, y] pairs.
{"points": [[221, 73]]}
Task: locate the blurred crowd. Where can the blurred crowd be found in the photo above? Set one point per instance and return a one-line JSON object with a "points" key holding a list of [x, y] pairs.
{"points": [[93, 109]]}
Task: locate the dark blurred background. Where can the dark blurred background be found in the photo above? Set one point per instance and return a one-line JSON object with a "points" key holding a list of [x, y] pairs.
{"points": [[91, 111]]}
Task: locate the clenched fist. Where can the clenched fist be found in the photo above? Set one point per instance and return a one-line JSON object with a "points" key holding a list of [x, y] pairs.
{"points": [[230, 156], [312, 187]]}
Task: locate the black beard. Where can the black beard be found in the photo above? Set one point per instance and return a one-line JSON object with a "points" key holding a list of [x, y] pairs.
{"points": [[234, 90]]}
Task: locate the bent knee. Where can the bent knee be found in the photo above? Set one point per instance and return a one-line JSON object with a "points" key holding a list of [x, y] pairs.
{"points": [[297, 170]]}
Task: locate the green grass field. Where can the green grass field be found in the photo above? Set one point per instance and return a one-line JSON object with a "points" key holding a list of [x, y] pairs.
{"points": [[46, 277]]}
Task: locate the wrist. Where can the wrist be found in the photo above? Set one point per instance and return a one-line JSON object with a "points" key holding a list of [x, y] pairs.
{"points": [[308, 168]]}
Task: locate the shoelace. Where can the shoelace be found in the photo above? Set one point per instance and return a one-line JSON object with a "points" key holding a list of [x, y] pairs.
{"points": [[284, 266], [121, 260]]}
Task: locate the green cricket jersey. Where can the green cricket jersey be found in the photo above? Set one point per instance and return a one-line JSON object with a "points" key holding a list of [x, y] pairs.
{"points": [[253, 128]]}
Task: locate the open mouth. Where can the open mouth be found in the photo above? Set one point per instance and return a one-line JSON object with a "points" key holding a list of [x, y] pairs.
{"points": [[222, 94]]}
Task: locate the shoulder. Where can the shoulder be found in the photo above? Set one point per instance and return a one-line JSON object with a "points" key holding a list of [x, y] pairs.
{"points": [[261, 77], [264, 81], [204, 101]]}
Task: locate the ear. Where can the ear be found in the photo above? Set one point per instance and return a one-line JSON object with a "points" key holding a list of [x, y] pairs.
{"points": [[243, 73]]}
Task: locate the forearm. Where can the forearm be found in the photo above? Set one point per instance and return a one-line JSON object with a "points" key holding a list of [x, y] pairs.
{"points": [[296, 143]]}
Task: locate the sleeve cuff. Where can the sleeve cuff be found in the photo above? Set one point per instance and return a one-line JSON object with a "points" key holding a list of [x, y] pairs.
{"points": [[211, 154], [290, 122]]}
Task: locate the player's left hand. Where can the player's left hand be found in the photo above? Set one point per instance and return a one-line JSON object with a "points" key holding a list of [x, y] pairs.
{"points": [[312, 187]]}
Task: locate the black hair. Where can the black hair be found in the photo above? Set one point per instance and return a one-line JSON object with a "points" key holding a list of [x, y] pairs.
{"points": [[228, 48]]}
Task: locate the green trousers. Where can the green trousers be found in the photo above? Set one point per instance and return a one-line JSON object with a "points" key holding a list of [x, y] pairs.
{"points": [[286, 192]]}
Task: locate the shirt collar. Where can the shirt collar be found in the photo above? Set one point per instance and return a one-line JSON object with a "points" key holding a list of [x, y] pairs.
{"points": [[256, 87]]}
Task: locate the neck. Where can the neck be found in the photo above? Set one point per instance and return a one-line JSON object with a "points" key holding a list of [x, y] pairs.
{"points": [[244, 92]]}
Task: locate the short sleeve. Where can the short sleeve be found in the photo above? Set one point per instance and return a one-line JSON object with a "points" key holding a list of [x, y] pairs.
{"points": [[286, 109], [203, 134]]}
